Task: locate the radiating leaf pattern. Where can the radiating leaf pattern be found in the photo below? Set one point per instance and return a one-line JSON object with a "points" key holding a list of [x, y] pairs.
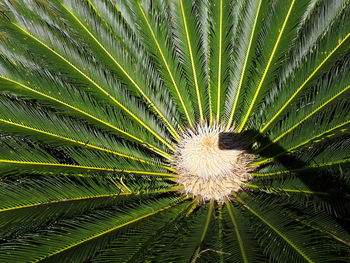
{"points": [[95, 94]]}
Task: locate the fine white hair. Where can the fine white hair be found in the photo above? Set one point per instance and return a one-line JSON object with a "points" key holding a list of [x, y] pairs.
{"points": [[205, 170]]}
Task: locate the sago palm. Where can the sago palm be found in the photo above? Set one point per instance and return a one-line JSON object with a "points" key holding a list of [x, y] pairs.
{"points": [[174, 130]]}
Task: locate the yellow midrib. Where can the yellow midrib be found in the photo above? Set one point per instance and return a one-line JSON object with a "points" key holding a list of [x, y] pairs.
{"points": [[97, 86], [164, 154], [310, 114], [61, 200], [192, 61], [252, 103], [303, 85], [84, 167], [238, 235], [301, 144], [150, 102], [166, 65], [78, 142], [205, 229], [303, 168], [87, 197], [219, 64], [287, 190], [108, 230], [244, 69], [300, 122], [285, 238]]}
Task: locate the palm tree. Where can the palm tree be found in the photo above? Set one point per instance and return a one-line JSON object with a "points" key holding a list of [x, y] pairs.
{"points": [[174, 131]]}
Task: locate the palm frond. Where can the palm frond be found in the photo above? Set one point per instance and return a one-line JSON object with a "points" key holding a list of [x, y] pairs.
{"points": [[294, 250], [189, 38], [219, 57], [45, 86], [334, 43], [80, 14], [247, 13], [240, 243], [48, 127], [34, 158], [190, 234], [174, 131], [65, 58], [325, 97], [163, 52], [132, 249], [270, 54], [105, 225], [44, 200]]}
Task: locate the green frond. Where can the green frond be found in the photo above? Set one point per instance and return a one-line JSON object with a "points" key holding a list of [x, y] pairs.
{"points": [[66, 58], [287, 186], [328, 226], [316, 23], [323, 123], [102, 41], [187, 240], [238, 235], [126, 248], [219, 57], [86, 157], [332, 45], [90, 231], [187, 31], [156, 40], [274, 224], [307, 212], [41, 84], [284, 17], [247, 13], [325, 97], [44, 125], [96, 100], [204, 231], [18, 156], [239, 242], [204, 31], [28, 204]]}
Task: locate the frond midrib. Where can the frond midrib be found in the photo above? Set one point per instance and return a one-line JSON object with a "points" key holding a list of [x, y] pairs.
{"points": [[148, 99]]}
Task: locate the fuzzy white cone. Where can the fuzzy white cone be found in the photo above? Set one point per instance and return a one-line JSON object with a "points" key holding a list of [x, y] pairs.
{"points": [[207, 171]]}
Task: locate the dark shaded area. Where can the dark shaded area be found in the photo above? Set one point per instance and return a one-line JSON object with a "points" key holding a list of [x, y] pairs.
{"points": [[230, 140], [318, 180]]}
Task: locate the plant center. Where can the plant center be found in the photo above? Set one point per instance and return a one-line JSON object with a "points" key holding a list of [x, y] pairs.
{"points": [[205, 169]]}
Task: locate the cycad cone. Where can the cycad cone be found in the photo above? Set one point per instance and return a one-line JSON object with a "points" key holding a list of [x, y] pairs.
{"points": [[205, 170]]}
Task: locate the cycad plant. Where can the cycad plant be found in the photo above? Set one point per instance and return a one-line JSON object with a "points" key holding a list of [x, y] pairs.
{"points": [[174, 130]]}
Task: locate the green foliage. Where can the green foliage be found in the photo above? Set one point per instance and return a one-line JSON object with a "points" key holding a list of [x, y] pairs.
{"points": [[95, 93]]}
